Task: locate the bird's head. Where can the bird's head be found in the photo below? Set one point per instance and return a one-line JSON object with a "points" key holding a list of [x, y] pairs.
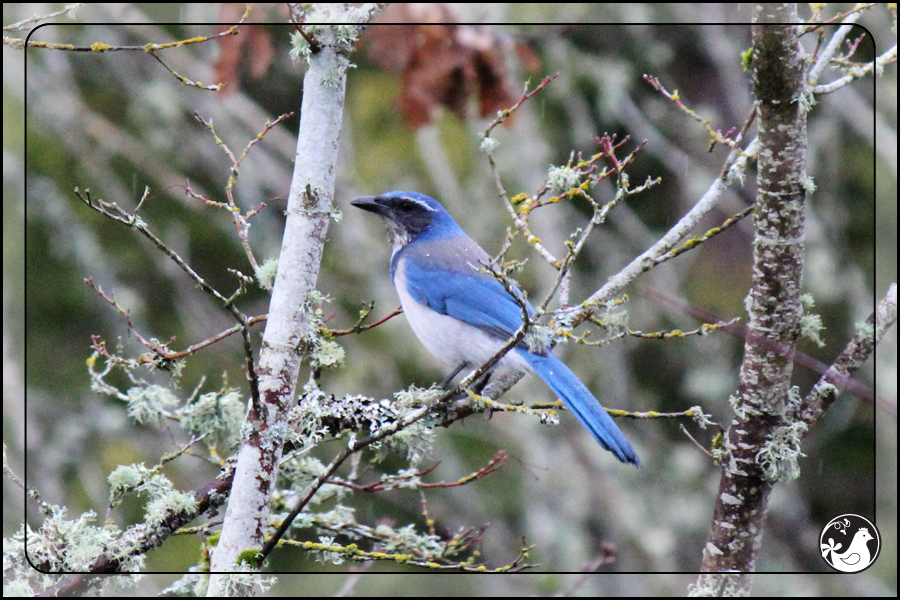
{"points": [[409, 216]]}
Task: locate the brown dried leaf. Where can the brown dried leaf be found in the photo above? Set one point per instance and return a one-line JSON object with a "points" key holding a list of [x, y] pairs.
{"points": [[440, 64]]}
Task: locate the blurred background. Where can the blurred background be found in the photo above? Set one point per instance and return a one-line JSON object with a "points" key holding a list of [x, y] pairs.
{"points": [[417, 105]]}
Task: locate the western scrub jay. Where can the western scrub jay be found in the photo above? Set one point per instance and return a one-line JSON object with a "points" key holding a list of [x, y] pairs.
{"points": [[464, 316]]}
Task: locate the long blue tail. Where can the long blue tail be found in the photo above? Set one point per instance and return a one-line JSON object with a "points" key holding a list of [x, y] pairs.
{"points": [[582, 403]]}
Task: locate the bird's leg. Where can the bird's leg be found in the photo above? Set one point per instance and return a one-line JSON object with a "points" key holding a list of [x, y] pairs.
{"points": [[454, 373], [482, 383], [479, 385]]}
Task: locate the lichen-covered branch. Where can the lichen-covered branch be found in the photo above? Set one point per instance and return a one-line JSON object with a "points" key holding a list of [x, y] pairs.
{"points": [[773, 304], [310, 208]]}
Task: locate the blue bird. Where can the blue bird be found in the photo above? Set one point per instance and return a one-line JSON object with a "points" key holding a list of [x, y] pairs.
{"points": [[464, 316]]}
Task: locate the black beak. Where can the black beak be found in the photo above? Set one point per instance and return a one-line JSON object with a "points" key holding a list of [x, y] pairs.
{"points": [[370, 204]]}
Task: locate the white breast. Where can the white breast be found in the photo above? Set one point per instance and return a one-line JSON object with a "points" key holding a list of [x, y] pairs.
{"points": [[451, 341]]}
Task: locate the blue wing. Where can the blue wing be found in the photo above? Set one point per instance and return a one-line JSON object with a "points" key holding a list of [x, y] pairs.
{"points": [[465, 294], [478, 299]]}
